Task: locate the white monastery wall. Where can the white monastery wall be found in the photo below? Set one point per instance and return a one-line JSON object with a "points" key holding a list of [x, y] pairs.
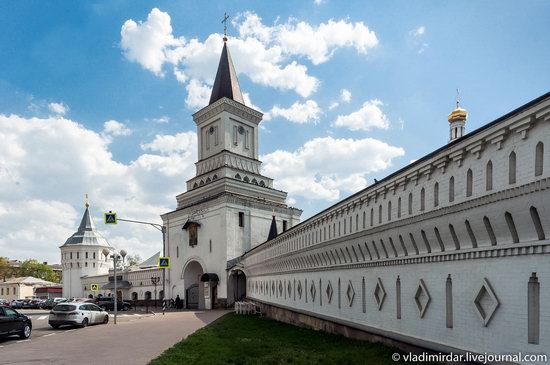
{"points": [[487, 232]]}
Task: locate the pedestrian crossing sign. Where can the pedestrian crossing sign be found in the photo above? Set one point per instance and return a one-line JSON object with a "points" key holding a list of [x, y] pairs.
{"points": [[94, 287], [164, 262], [110, 218]]}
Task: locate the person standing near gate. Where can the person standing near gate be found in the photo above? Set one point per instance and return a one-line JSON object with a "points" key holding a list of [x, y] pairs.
{"points": [[178, 302]]}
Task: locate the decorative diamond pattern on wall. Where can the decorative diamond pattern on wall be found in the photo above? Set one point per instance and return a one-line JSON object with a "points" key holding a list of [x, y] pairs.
{"points": [[289, 289], [486, 302], [379, 294], [329, 291], [313, 291], [273, 288], [422, 298], [299, 289], [350, 293], [280, 288]]}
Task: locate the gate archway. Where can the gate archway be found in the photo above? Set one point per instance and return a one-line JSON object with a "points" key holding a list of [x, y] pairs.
{"points": [[194, 292]]}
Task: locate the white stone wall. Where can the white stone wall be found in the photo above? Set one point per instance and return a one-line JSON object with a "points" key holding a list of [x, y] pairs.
{"points": [[489, 236], [76, 265]]}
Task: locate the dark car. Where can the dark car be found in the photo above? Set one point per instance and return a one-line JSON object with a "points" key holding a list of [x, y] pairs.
{"points": [[108, 303], [14, 323]]}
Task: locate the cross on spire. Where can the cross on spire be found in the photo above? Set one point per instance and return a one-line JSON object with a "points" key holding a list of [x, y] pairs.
{"points": [[457, 98], [224, 21], [86, 204]]}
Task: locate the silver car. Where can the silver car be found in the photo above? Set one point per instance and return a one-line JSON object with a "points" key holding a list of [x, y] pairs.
{"points": [[76, 313]]}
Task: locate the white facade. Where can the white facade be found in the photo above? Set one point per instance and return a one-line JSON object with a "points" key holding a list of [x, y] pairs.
{"points": [[451, 253], [82, 255], [229, 199]]}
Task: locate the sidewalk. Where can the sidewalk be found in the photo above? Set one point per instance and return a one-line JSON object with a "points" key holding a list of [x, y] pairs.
{"points": [[133, 343]]}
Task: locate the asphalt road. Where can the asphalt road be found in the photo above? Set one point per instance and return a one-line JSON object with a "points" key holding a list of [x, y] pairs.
{"points": [[136, 339]]}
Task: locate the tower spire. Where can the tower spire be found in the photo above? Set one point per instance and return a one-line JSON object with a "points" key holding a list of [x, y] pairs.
{"points": [[226, 83], [224, 21], [86, 203]]}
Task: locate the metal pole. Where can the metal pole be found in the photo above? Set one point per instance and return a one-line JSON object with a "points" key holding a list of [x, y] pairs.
{"points": [[163, 269], [114, 260]]}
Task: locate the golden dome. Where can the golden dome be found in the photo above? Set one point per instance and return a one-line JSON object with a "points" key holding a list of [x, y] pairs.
{"points": [[458, 114]]}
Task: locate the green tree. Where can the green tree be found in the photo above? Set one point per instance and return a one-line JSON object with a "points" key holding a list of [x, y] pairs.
{"points": [[32, 267], [5, 269]]}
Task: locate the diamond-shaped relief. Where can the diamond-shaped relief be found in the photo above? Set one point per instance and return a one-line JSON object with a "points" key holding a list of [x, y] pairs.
{"points": [[299, 289], [350, 293], [289, 289], [329, 291], [280, 288], [379, 294], [273, 288], [422, 298], [486, 302], [313, 291]]}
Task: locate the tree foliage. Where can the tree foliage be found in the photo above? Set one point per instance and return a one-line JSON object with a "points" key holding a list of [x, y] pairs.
{"points": [[5, 269], [32, 267]]}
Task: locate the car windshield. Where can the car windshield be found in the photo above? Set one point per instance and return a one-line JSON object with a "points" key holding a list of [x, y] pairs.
{"points": [[64, 308]]}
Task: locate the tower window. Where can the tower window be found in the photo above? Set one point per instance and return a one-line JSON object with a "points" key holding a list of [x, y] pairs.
{"points": [[94, 255], [285, 225], [451, 189], [512, 168], [489, 176], [241, 219], [539, 159], [86, 255], [469, 182], [422, 199]]}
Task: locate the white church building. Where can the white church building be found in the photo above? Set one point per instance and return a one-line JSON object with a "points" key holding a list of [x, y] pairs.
{"points": [[450, 253]]}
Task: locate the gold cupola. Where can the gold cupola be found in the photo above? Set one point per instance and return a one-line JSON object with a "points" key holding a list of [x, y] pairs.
{"points": [[457, 120]]}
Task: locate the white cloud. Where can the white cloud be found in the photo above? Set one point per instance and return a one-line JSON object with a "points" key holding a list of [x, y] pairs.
{"points": [[369, 116], [345, 95], [263, 53], [318, 43], [415, 39], [323, 168], [60, 159], [115, 129], [198, 94], [317, 2], [308, 112], [160, 120], [149, 43], [333, 105], [58, 108], [418, 31]]}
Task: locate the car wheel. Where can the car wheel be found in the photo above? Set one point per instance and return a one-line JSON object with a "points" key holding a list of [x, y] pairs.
{"points": [[84, 322], [54, 326], [106, 320], [125, 308], [26, 332]]}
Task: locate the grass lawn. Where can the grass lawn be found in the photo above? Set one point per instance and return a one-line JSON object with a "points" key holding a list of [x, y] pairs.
{"points": [[246, 340]]}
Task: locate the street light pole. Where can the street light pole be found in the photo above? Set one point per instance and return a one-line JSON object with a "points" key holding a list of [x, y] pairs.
{"points": [[155, 280], [115, 256], [163, 269]]}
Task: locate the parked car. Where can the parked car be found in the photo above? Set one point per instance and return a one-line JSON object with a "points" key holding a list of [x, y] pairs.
{"points": [[31, 303], [108, 303], [14, 323], [76, 313], [17, 303], [52, 302]]}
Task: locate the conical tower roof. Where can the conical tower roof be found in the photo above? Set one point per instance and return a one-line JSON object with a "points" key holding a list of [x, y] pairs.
{"points": [[272, 230], [226, 83], [87, 233]]}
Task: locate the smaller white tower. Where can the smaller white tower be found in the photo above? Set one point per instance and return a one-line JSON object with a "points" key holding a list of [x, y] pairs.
{"points": [[457, 120], [82, 255]]}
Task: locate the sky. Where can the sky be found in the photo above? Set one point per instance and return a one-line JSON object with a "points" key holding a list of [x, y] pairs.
{"points": [[97, 97]]}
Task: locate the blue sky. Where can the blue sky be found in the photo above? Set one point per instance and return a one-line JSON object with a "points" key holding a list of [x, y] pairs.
{"points": [[96, 97]]}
